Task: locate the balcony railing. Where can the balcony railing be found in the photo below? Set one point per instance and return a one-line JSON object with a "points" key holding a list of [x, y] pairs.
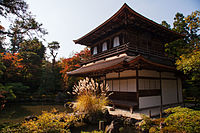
{"points": [[125, 48], [108, 53]]}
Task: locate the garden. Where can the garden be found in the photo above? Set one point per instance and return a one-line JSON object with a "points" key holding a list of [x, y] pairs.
{"points": [[88, 111], [37, 95]]}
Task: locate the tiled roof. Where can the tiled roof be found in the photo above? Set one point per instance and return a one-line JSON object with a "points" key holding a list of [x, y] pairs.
{"points": [[114, 64]]}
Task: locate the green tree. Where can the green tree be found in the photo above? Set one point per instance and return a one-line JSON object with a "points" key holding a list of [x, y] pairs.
{"points": [[32, 53], [2, 38], [53, 47], [25, 52], [165, 24], [24, 28], [51, 80], [16, 7], [186, 51]]}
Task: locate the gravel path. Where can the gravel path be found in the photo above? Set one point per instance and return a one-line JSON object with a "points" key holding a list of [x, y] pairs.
{"points": [[124, 113]]}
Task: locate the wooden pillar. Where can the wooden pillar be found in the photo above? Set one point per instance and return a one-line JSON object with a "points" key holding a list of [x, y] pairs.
{"points": [[119, 80], [161, 100], [101, 125], [177, 90], [137, 85], [181, 79], [105, 80], [112, 85]]}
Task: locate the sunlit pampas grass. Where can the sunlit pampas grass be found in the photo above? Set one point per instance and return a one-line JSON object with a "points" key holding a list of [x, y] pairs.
{"points": [[92, 97]]}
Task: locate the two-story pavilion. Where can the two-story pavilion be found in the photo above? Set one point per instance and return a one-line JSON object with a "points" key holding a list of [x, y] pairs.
{"points": [[128, 54]]}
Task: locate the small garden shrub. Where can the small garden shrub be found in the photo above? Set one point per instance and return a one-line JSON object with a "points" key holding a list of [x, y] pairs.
{"points": [[179, 120], [91, 96], [47, 122], [183, 120], [145, 124], [93, 132]]}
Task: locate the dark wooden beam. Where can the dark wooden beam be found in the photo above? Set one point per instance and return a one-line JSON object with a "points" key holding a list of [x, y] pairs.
{"points": [[152, 92], [137, 85], [177, 89], [119, 80], [161, 99]]}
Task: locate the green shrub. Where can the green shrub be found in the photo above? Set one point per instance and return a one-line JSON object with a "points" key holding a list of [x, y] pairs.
{"points": [[179, 120], [19, 89], [92, 132], [154, 130], [176, 110], [47, 122], [170, 129], [183, 120], [145, 124], [13, 128], [158, 121]]}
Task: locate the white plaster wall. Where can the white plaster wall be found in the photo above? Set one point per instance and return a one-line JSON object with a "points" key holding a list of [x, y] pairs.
{"points": [[115, 85], [109, 82], [180, 90], [128, 73], [169, 91], [148, 84], [112, 75], [126, 85], [148, 73], [167, 75], [145, 102], [131, 85], [157, 84], [123, 85]]}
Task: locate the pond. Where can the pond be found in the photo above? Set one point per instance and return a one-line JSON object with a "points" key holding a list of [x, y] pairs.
{"points": [[16, 112]]}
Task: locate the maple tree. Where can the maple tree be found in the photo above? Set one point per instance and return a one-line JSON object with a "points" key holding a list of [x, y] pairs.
{"points": [[69, 64]]}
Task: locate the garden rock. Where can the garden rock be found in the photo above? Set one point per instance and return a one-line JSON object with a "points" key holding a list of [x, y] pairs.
{"points": [[130, 121], [162, 125], [114, 126], [32, 117]]}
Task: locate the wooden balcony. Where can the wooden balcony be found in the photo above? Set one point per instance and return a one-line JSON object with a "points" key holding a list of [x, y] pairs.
{"points": [[126, 48], [108, 53]]}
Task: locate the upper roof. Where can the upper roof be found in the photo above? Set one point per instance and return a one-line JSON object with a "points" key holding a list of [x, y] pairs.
{"points": [[126, 16]]}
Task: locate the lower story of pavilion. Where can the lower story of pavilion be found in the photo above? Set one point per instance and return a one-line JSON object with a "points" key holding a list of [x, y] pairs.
{"points": [[136, 82]]}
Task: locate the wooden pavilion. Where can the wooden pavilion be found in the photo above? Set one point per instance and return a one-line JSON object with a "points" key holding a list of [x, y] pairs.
{"points": [[128, 54]]}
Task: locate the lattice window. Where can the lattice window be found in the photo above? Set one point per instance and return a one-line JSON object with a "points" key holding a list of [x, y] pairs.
{"points": [[104, 46], [116, 41], [95, 50]]}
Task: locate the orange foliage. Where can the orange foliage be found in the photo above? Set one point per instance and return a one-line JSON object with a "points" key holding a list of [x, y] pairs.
{"points": [[11, 60], [74, 62]]}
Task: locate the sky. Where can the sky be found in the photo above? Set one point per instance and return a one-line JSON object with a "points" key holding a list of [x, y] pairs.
{"points": [[68, 20]]}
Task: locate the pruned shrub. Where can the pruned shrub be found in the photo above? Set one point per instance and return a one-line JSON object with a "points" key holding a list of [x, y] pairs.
{"points": [[145, 124], [52, 122], [47, 122], [179, 120], [183, 120]]}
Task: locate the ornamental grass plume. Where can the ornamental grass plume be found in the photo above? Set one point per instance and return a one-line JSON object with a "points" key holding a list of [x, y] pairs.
{"points": [[92, 97]]}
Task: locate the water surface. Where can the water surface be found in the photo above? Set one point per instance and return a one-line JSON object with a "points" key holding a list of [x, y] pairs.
{"points": [[16, 112]]}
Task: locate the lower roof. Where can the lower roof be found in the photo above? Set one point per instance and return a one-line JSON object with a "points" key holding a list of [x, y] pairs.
{"points": [[120, 63]]}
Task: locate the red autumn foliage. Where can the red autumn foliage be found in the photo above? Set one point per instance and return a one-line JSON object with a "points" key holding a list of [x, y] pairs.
{"points": [[11, 60], [74, 62]]}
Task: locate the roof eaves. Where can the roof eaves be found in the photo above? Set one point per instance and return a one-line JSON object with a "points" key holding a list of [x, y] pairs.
{"points": [[104, 23]]}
